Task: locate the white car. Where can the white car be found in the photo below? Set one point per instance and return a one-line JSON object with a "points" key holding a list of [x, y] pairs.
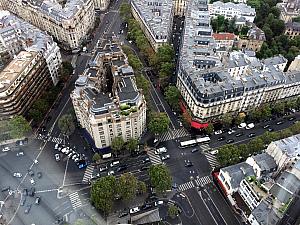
{"points": [[249, 126], [32, 181], [218, 132], [75, 156], [110, 173], [20, 153], [76, 160], [242, 125], [6, 149], [134, 210], [57, 157], [160, 150], [56, 146], [18, 175], [64, 150], [231, 131], [115, 163], [158, 203], [165, 157], [214, 152]]}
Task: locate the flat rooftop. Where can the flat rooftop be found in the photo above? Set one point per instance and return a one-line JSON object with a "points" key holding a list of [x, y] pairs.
{"points": [[12, 71]]}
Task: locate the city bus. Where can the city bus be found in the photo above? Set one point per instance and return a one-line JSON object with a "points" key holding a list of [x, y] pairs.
{"points": [[203, 140], [186, 144]]}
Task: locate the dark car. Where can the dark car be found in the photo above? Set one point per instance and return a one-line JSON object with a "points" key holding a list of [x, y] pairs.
{"points": [[27, 210], [122, 214], [229, 141], [31, 173], [194, 150], [188, 164], [146, 206], [25, 192], [39, 174], [31, 192], [122, 168], [239, 134], [251, 135], [270, 129], [146, 160], [5, 189], [221, 138]]}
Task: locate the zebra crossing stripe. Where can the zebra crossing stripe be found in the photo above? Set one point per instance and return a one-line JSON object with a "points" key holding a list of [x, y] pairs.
{"points": [[87, 174], [186, 186], [212, 160], [203, 181], [75, 200], [172, 134], [155, 159]]}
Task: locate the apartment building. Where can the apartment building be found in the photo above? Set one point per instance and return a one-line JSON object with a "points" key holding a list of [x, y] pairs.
{"points": [[180, 7], [101, 4], [253, 41], [289, 9], [106, 101], [68, 24], [224, 40], [292, 29], [155, 18], [18, 35], [22, 81], [231, 10], [295, 65]]}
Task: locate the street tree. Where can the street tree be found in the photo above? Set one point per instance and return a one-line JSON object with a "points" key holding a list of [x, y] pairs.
{"points": [[66, 70], [173, 211], [227, 120], [38, 109], [125, 11], [117, 144], [103, 192], [142, 187], [239, 119], [96, 157], [66, 124], [18, 127], [131, 145], [266, 111], [160, 178], [159, 123], [172, 95], [127, 186], [209, 129], [278, 108], [256, 145]]}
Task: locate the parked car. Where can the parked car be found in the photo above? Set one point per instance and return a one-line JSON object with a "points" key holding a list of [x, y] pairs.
{"points": [[31, 192], [222, 138], [145, 160], [57, 157], [266, 126], [214, 152], [242, 125], [110, 173], [18, 175], [231, 131], [194, 150], [121, 168], [31, 173], [146, 206], [250, 126], [103, 168], [279, 122], [270, 129], [23, 200], [134, 210], [122, 214], [160, 151], [25, 192], [20, 153], [251, 135], [7, 188], [158, 203], [239, 134], [292, 118], [165, 157], [229, 141]]}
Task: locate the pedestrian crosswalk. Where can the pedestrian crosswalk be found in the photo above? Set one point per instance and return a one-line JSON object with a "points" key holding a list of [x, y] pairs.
{"points": [[186, 186], [203, 181], [87, 173], [212, 160], [205, 147], [155, 159], [173, 134], [49, 138], [75, 200], [57, 140]]}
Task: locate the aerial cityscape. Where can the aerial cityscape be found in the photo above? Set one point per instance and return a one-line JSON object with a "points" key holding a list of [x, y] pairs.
{"points": [[178, 112]]}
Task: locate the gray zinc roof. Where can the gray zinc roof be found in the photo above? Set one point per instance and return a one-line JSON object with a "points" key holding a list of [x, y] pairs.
{"points": [[265, 161], [265, 214]]}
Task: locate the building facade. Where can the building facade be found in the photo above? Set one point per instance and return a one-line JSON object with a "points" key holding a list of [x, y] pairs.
{"points": [[180, 7], [292, 29], [155, 18], [69, 25], [231, 10], [106, 100], [101, 4], [22, 81], [253, 41], [224, 40], [18, 35], [289, 9]]}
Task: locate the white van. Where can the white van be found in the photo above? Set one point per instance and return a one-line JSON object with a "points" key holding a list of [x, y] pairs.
{"points": [[242, 125], [160, 150]]}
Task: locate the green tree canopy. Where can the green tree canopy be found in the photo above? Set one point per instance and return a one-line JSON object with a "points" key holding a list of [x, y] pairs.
{"points": [[117, 144], [127, 186], [125, 10], [142, 187], [66, 124], [160, 178], [209, 129], [172, 95], [159, 123], [132, 145], [173, 211], [226, 120], [96, 157], [18, 127], [103, 192]]}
